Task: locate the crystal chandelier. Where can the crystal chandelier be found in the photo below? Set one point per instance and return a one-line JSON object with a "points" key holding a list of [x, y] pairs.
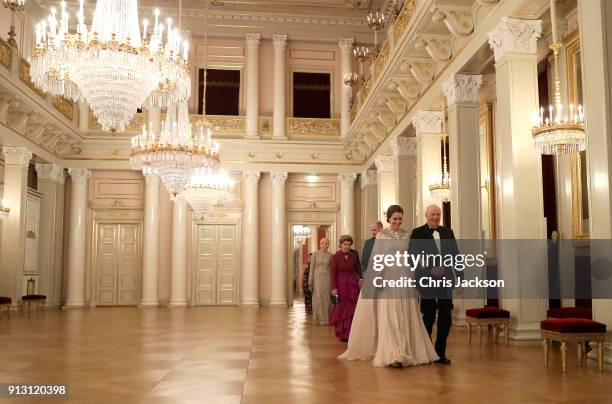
{"points": [[376, 21], [15, 6], [115, 68], [206, 189], [300, 235], [561, 131], [440, 190], [175, 153]]}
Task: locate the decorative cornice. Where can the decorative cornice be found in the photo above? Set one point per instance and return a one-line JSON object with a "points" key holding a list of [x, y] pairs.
{"points": [[346, 44], [462, 88], [253, 40], [385, 164], [279, 41], [403, 146], [279, 178], [268, 18], [428, 121], [457, 18], [19, 156], [79, 175], [438, 47], [369, 178], [347, 180], [514, 35], [49, 172], [252, 177]]}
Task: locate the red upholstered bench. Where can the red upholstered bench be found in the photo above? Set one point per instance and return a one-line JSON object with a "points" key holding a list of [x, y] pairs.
{"points": [[38, 300], [570, 312], [5, 302], [577, 330], [487, 316]]}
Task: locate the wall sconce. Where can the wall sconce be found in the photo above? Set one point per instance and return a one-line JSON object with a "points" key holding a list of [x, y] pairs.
{"points": [[4, 208]]}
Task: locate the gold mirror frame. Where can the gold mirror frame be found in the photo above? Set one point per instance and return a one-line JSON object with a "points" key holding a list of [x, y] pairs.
{"points": [[572, 50]]}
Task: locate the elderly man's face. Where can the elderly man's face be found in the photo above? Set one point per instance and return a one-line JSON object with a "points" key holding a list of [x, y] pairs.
{"points": [[374, 229], [433, 215]]}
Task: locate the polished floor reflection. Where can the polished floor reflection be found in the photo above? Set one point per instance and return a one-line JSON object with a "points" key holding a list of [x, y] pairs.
{"points": [[262, 356]]}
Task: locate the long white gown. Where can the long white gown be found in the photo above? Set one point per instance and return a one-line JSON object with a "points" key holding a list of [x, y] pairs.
{"points": [[388, 330]]}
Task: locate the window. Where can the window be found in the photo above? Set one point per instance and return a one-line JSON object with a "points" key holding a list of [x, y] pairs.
{"points": [[311, 95], [222, 92]]}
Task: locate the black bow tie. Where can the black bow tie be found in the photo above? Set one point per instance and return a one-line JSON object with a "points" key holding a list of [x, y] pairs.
{"points": [[432, 230]]}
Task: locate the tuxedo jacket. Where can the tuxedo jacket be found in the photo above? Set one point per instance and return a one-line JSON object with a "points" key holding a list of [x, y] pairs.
{"points": [[422, 242], [368, 246]]}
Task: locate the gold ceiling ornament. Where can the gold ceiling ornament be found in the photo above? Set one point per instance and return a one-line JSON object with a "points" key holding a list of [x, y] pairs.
{"points": [[251, 155], [279, 155], [561, 131], [348, 156]]}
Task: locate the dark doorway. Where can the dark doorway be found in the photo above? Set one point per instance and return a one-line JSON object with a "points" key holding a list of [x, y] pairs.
{"points": [[222, 92], [311, 95]]}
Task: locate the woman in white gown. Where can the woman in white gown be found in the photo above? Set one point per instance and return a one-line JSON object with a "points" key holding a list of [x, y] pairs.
{"points": [[389, 330]]}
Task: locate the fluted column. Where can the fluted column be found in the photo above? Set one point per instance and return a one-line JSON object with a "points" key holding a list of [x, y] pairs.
{"points": [[178, 268], [404, 151], [346, 50], [279, 241], [252, 93], [250, 240], [462, 93], [77, 233], [369, 202], [518, 168], [150, 248], [50, 222], [347, 204], [12, 251], [279, 115], [385, 168], [428, 126], [83, 115]]}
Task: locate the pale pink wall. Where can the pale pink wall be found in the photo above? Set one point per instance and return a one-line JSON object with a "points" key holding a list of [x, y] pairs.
{"points": [[165, 243], [265, 230]]}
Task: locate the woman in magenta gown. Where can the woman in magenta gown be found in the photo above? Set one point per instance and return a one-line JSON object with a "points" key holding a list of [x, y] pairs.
{"points": [[345, 271]]}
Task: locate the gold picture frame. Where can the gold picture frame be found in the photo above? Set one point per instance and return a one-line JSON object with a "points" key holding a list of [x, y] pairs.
{"points": [[580, 209]]}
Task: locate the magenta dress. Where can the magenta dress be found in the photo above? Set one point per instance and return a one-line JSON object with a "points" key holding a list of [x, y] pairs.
{"points": [[344, 277]]}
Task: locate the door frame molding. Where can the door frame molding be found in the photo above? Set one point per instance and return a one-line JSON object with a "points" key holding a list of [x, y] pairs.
{"points": [[114, 216], [236, 221]]}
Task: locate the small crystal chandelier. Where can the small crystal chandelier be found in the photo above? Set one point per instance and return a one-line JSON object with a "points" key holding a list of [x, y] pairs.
{"points": [[115, 68], [176, 152], [376, 21], [562, 131], [5, 208], [300, 235], [206, 189], [15, 6], [440, 190]]}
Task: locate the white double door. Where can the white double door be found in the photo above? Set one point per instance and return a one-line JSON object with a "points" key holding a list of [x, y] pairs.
{"points": [[117, 264], [216, 264]]}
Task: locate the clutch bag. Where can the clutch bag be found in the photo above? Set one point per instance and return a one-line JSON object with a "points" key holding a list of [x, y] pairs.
{"points": [[334, 299]]}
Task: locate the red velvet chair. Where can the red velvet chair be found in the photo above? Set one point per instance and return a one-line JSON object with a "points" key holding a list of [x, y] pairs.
{"points": [[570, 312], [488, 316], [578, 330], [38, 300], [5, 302]]}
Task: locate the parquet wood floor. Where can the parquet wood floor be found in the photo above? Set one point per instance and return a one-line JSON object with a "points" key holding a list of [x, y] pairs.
{"points": [[232, 355]]}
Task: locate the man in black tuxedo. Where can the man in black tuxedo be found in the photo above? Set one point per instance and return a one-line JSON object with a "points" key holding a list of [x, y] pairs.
{"points": [[433, 239], [368, 246]]}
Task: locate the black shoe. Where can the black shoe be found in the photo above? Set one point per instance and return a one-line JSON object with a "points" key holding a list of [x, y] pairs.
{"points": [[443, 361], [397, 365]]}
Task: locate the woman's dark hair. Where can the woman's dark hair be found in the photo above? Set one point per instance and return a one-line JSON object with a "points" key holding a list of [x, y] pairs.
{"points": [[393, 209], [346, 237]]}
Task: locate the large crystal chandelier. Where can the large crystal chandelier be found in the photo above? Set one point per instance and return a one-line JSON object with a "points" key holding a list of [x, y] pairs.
{"points": [[115, 68], [300, 235], [440, 190], [206, 189], [561, 130], [176, 152]]}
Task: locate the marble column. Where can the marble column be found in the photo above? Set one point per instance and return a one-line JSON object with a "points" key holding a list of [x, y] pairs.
{"points": [[404, 151], [596, 29], [252, 90], [428, 126], [250, 240], [12, 250], [462, 93], [280, 79], [279, 241], [313, 245], [369, 202], [346, 52], [150, 245], [347, 204], [178, 268], [77, 236], [83, 115], [518, 170], [385, 168], [50, 222]]}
